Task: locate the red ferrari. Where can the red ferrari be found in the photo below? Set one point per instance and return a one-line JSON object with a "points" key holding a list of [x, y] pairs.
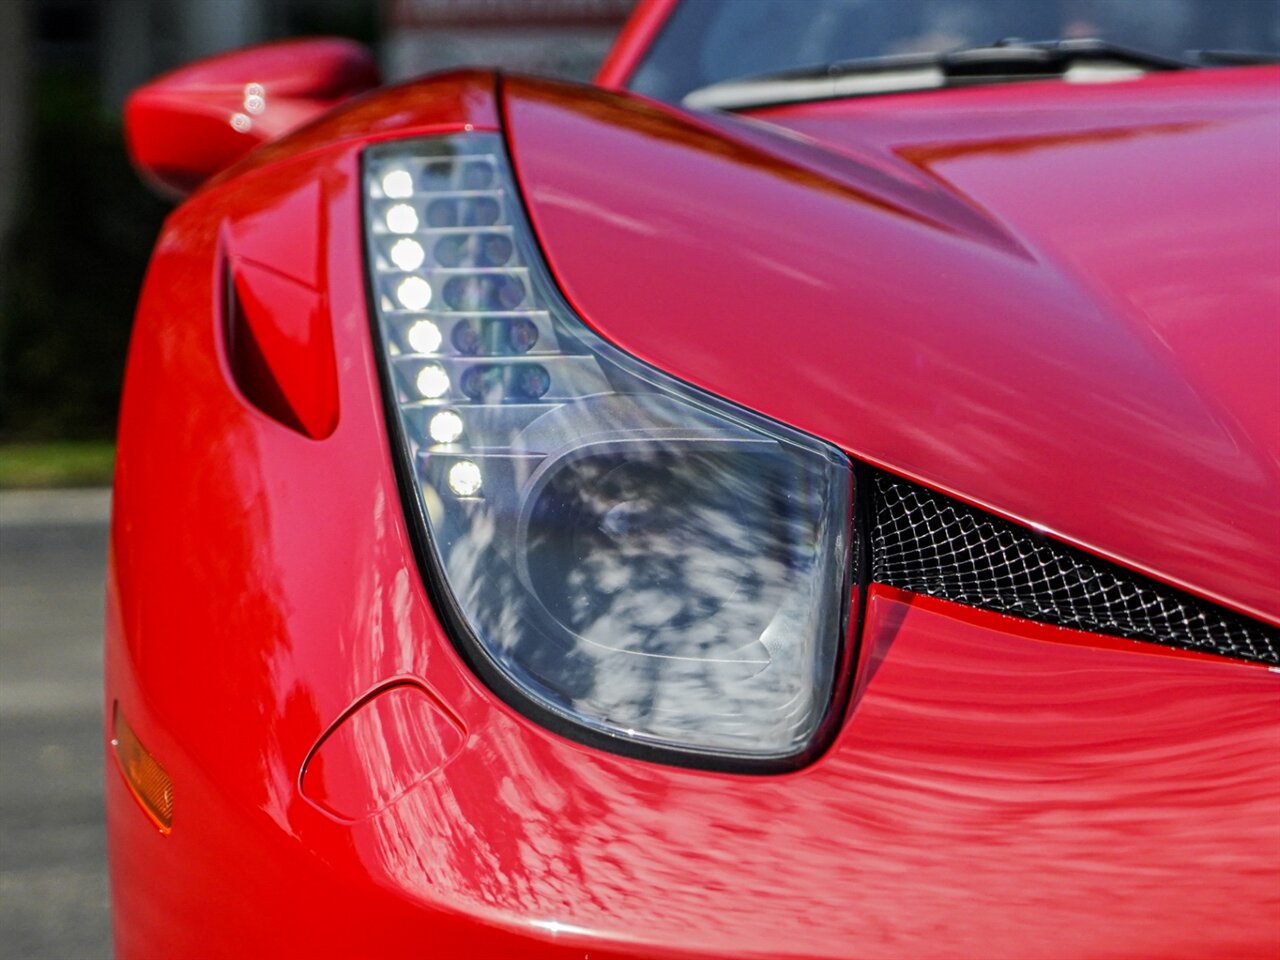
{"points": [[813, 493]]}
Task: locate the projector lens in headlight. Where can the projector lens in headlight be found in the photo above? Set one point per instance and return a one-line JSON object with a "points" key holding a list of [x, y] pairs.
{"points": [[623, 557]]}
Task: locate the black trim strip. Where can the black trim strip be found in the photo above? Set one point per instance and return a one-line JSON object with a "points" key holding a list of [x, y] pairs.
{"points": [[930, 544]]}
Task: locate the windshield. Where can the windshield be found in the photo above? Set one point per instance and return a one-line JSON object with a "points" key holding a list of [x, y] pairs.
{"points": [[708, 41]]}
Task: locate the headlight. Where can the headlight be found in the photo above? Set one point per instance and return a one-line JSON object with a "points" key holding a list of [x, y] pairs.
{"points": [[626, 559]]}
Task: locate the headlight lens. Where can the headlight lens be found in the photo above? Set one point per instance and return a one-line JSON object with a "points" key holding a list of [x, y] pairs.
{"points": [[626, 558]]}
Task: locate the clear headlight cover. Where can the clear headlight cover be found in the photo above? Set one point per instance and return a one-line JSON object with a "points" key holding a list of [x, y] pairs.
{"points": [[625, 558]]}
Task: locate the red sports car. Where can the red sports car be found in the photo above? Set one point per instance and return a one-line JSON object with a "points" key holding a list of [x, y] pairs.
{"points": [[813, 493]]}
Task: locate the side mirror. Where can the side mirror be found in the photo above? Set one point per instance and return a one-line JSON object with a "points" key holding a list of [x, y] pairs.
{"points": [[187, 125]]}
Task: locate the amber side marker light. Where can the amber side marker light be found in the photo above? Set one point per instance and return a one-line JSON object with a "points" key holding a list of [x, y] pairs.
{"points": [[143, 773]]}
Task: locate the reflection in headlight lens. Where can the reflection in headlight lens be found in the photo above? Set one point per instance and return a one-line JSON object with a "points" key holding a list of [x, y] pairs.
{"points": [[629, 558]]}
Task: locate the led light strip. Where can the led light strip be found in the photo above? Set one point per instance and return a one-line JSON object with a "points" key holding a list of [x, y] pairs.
{"points": [[476, 354]]}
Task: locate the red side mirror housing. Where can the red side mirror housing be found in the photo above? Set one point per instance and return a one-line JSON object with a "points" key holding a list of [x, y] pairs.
{"points": [[187, 125]]}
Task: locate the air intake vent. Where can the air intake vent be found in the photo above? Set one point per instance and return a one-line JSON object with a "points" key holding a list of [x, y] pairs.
{"points": [[930, 544]]}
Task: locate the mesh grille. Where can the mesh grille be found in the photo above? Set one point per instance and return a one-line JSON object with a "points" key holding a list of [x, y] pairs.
{"points": [[930, 544]]}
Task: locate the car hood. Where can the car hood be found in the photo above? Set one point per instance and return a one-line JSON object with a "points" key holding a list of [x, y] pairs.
{"points": [[1058, 302], [1161, 199]]}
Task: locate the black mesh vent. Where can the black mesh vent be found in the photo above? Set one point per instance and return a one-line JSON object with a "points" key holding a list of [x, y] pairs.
{"points": [[927, 543]]}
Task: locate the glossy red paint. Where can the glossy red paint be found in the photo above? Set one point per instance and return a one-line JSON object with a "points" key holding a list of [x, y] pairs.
{"points": [[278, 338], [280, 349], [1055, 301], [994, 790], [637, 35], [188, 124], [390, 742], [452, 101]]}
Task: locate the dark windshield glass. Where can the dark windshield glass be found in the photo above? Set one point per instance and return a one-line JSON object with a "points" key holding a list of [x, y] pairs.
{"points": [[707, 41]]}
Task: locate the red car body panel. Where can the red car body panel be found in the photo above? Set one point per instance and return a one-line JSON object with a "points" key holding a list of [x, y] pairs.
{"points": [[637, 36], [196, 120], [997, 787], [1101, 362]]}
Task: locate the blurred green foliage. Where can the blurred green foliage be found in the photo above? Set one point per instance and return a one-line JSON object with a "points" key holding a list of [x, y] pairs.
{"points": [[74, 262], [65, 463], [74, 267]]}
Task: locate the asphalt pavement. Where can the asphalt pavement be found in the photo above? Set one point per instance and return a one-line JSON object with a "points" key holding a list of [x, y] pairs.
{"points": [[53, 881]]}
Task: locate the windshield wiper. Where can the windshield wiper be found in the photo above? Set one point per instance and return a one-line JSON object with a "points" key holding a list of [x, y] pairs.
{"points": [[1082, 60]]}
